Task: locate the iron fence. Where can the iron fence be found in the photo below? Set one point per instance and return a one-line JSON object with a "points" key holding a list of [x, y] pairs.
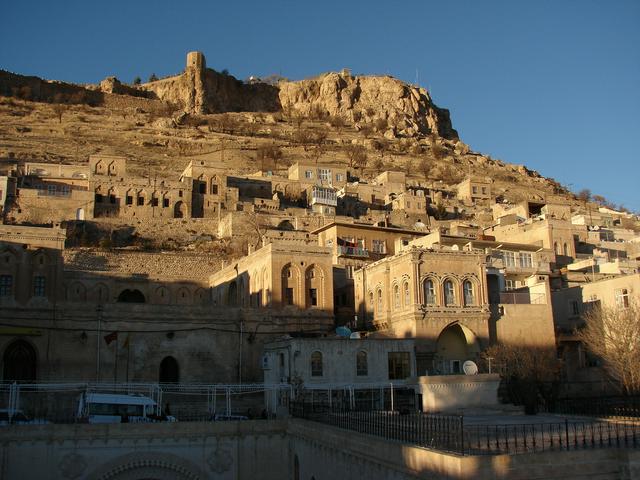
{"points": [[606, 407], [451, 433]]}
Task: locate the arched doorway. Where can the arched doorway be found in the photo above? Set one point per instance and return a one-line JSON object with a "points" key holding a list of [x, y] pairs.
{"points": [[169, 370], [179, 210], [131, 296], [456, 344], [20, 362], [285, 225]]}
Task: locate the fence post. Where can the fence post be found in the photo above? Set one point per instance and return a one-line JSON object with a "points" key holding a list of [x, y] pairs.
{"points": [[566, 431]]}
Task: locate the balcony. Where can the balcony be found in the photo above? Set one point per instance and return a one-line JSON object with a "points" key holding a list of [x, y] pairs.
{"points": [[517, 267], [352, 251]]}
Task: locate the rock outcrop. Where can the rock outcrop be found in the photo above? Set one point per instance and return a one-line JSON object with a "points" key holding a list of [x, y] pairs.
{"points": [[408, 110]]}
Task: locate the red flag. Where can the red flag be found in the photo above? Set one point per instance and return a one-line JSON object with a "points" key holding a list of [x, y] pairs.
{"points": [[113, 336]]}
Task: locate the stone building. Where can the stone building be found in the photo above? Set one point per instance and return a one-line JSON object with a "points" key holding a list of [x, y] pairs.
{"points": [[119, 195], [446, 300], [475, 191], [326, 175], [292, 276]]}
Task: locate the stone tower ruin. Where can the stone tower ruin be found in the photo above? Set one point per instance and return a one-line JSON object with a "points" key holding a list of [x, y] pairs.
{"points": [[195, 80]]}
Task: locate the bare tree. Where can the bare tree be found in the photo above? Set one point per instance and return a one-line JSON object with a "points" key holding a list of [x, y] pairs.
{"points": [[528, 372], [58, 110], [266, 153], [357, 156], [438, 151], [366, 130], [613, 334], [378, 166], [425, 168], [337, 122], [584, 195]]}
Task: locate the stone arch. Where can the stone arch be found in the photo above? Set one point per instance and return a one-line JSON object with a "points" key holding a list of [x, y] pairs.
{"points": [[456, 344], [470, 293], [76, 292], [291, 285], [314, 287], [162, 296], [183, 296], [450, 294], [285, 225], [100, 293], [169, 371], [20, 362], [200, 296], [156, 465], [131, 296], [179, 209]]}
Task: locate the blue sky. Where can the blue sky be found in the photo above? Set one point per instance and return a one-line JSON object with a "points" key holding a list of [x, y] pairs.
{"points": [[554, 85]]}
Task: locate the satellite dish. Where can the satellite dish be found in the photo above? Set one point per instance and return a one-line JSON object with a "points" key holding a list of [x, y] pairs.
{"points": [[355, 336], [470, 368], [455, 248]]}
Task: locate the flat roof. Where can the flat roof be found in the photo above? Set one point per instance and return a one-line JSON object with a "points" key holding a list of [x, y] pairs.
{"points": [[364, 226]]}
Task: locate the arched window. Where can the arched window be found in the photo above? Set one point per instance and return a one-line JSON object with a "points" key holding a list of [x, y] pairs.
{"points": [[566, 250], [131, 296], [407, 294], [556, 248], [449, 293], [396, 296], [429, 293], [467, 288], [379, 301], [362, 365], [316, 364], [169, 370], [20, 362]]}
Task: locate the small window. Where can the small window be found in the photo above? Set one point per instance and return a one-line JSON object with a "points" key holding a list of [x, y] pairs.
{"points": [[379, 246], [288, 295], [214, 189], [474, 190], [362, 366], [574, 307], [509, 259], [399, 367], [429, 293], [484, 190], [129, 200], [165, 202], [396, 296], [449, 293], [526, 260], [469, 297], [98, 198], [622, 298], [112, 199], [6, 285], [308, 174], [154, 202], [51, 189], [180, 193], [339, 177], [202, 188], [379, 301], [316, 364], [407, 294], [39, 283], [140, 201], [313, 296]]}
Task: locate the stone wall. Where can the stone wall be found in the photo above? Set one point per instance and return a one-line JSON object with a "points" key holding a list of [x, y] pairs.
{"points": [[267, 450]]}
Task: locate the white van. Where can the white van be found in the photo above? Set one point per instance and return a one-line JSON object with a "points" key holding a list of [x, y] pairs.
{"points": [[118, 408]]}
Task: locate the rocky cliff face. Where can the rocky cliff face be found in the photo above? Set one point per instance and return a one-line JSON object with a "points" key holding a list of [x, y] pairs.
{"points": [[408, 110]]}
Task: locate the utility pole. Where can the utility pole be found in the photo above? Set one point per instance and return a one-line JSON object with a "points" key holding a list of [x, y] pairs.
{"points": [[99, 319]]}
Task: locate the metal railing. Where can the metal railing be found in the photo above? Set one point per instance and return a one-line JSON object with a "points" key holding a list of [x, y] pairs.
{"points": [[59, 402], [352, 251], [451, 433], [604, 407]]}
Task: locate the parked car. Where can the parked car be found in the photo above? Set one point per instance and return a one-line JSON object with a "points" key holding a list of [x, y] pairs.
{"points": [[119, 408]]}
